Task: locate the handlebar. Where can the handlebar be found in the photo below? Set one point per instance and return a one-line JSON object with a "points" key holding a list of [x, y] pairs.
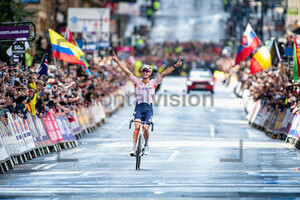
{"points": [[142, 122]]}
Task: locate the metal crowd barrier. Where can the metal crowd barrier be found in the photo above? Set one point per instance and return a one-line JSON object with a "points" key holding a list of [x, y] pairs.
{"points": [[22, 140], [278, 124]]}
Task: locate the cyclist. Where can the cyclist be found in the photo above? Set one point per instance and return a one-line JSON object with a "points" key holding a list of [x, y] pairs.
{"points": [[144, 90]]}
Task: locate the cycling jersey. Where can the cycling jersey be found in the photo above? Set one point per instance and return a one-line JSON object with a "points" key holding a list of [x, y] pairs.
{"points": [[145, 92]]}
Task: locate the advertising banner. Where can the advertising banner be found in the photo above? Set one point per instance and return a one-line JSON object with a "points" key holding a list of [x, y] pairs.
{"points": [[26, 133], [3, 153], [294, 128], [14, 32], [52, 128], [40, 127], [65, 129]]}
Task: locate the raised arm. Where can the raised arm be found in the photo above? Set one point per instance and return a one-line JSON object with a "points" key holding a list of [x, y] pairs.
{"points": [[170, 69], [121, 65]]}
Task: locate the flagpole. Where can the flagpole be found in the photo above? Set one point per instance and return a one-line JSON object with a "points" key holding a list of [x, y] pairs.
{"points": [[37, 70]]}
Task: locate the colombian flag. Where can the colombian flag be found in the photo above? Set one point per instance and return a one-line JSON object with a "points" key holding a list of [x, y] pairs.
{"points": [[64, 50], [265, 57], [71, 39]]}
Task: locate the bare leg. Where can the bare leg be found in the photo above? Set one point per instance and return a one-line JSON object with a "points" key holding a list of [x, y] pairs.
{"points": [[136, 130], [146, 133]]}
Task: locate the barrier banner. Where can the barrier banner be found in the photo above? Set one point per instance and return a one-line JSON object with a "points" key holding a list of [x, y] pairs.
{"points": [[80, 120], [267, 119], [90, 116], [95, 111], [279, 121], [250, 108], [15, 129], [106, 102], [102, 110], [256, 111], [263, 114], [52, 128], [10, 141], [64, 128], [26, 133], [84, 116], [75, 124], [284, 123], [69, 129], [289, 122], [40, 127], [295, 124], [35, 134], [3, 153]]}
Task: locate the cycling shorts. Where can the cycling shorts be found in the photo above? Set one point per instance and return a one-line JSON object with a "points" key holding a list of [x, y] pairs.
{"points": [[144, 112]]}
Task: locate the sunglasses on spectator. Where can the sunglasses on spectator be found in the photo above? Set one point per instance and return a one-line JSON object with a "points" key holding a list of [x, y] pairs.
{"points": [[145, 71]]}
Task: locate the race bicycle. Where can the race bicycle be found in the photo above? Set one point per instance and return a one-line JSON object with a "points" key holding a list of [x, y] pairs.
{"points": [[139, 152]]}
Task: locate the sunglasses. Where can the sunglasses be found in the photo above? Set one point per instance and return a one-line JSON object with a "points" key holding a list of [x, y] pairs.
{"points": [[145, 71]]}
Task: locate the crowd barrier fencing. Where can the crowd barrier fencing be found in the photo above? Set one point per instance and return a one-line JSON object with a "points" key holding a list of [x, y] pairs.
{"points": [[22, 140], [278, 124]]}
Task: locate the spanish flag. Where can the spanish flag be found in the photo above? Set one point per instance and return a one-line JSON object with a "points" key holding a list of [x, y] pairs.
{"points": [[64, 50], [265, 57]]}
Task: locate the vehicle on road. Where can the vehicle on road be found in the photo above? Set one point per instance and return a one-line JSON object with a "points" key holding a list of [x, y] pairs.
{"points": [[139, 152], [200, 79]]}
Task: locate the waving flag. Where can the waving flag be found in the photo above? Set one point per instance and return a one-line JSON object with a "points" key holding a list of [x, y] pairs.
{"points": [[43, 68], [265, 57], [64, 50], [249, 43], [296, 61], [69, 37]]}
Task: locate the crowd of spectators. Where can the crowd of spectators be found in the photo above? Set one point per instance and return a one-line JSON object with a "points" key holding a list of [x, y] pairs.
{"points": [[193, 53], [65, 88], [274, 87]]}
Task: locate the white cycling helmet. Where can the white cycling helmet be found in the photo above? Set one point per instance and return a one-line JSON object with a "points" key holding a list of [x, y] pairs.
{"points": [[146, 67]]}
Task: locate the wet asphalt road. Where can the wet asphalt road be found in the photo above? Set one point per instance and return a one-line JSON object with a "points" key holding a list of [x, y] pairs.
{"points": [[187, 148]]}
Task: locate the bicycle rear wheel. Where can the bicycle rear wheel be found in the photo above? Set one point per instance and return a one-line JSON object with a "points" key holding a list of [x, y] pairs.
{"points": [[138, 153]]}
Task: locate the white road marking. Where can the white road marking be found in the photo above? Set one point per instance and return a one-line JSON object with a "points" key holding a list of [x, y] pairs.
{"points": [[173, 156], [221, 143], [158, 192], [212, 130], [39, 166], [50, 166]]}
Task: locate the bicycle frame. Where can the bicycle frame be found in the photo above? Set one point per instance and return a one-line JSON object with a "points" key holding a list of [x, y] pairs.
{"points": [[140, 141]]}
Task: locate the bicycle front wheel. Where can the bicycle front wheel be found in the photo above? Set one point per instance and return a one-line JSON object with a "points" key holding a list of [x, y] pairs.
{"points": [[139, 153]]}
